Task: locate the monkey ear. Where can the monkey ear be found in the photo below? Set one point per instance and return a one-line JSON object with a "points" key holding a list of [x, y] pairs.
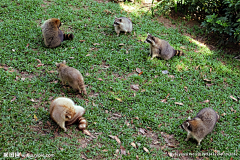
{"points": [[120, 20], [64, 62]]}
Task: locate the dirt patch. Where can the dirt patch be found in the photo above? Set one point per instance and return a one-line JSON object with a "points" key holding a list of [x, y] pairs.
{"points": [[102, 1]]}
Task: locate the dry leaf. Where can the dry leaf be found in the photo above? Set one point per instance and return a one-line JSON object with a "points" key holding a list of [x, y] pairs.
{"points": [[136, 118], [39, 65], [118, 99], [100, 79], [164, 100], [61, 149], [9, 109], [121, 44], [224, 114], [159, 125], [81, 40], [88, 133], [123, 150], [146, 150], [140, 73], [48, 123], [14, 98], [87, 55], [183, 47], [39, 61], [138, 70], [133, 144], [207, 80], [171, 145], [171, 76], [197, 67], [209, 84], [206, 101], [235, 99], [51, 71], [210, 70], [13, 50], [96, 44], [134, 87], [32, 100], [186, 89], [179, 103], [35, 117], [141, 130], [143, 90], [116, 138], [105, 150], [165, 72], [71, 57]]}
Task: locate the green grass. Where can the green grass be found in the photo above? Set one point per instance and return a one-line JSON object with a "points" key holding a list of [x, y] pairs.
{"points": [[26, 90]]}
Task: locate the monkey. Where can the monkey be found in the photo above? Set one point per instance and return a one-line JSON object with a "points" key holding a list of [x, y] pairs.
{"points": [[161, 48], [64, 112], [71, 76], [201, 125], [52, 35], [122, 24]]}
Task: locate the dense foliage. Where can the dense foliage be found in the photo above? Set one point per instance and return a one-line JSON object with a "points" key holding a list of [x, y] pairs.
{"points": [[220, 16]]}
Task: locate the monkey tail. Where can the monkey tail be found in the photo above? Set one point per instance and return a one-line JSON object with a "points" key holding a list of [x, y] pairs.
{"points": [[179, 53], [68, 36]]}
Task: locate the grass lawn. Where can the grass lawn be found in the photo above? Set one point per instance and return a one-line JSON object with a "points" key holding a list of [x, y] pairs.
{"points": [[130, 115]]}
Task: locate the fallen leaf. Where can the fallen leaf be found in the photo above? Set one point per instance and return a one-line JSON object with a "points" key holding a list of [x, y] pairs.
{"points": [[96, 44], [71, 57], [116, 138], [87, 55], [27, 45], [235, 99], [141, 130], [183, 47], [206, 101], [210, 70], [138, 70], [143, 90], [88, 133], [39, 61], [32, 100], [118, 99], [123, 150], [179, 103], [224, 114], [134, 87], [197, 67], [61, 149], [100, 79], [136, 118], [39, 65], [9, 109], [209, 84], [171, 76], [48, 123], [186, 89], [164, 100], [35, 117], [165, 72], [133, 144], [13, 50], [207, 80], [159, 125], [140, 73], [121, 44], [81, 40], [51, 71], [14, 98], [171, 145], [146, 150], [105, 150], [170, 154]]}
